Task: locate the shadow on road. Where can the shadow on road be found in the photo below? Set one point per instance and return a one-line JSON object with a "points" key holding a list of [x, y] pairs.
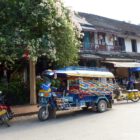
{"points": [[32, 121], [125, 103]]}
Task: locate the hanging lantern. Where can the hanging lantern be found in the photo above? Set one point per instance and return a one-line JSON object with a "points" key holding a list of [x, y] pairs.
{"points": [[26, 54]]}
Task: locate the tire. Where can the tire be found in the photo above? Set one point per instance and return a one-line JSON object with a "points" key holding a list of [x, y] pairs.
{"points": [[5, 120], [136, 98], [44, 113], [102, 106], [10, 115]]}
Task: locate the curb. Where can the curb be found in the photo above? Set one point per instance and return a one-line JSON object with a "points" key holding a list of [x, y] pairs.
{"points": [[25, 114]]}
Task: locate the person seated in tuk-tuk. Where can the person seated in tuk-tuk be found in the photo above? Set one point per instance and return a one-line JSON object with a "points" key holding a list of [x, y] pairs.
{"points": [[63, 87]]}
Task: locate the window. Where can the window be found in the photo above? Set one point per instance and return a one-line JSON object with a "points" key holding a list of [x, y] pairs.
{"points": [[115, 41], [86, 40], [134, 45], [121, 43]]}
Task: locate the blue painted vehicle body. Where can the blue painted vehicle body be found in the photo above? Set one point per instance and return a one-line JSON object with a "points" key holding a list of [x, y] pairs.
{"points": [[82, 95]]}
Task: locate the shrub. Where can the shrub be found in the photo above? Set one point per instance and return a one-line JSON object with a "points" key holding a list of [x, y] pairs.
{"points": [[16, 92]]}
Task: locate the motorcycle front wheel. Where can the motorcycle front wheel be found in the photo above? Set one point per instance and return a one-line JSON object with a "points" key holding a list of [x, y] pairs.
{"points": [[44, 113], [5, 119]]}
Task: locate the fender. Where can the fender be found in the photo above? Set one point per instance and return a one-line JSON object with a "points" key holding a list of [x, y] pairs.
{"points": [[101, 98], [49, 101], [43, 101]]}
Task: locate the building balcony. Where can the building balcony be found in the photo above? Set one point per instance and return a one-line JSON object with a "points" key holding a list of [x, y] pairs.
{"points": [[91, 47]]}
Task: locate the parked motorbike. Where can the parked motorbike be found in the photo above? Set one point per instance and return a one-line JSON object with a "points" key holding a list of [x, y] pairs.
{"points": [[5, 111], [133, 95]]}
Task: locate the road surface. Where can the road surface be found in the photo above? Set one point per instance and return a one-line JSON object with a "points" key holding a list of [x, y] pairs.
{"points": [[122, 122]]}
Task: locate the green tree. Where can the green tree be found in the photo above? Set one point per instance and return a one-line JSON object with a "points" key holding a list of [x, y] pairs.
{"points": [[41, 27], [37, 27]]}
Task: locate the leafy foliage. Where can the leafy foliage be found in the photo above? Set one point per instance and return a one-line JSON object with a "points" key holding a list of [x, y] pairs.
{"points": [[41, 27], [16, 92]]}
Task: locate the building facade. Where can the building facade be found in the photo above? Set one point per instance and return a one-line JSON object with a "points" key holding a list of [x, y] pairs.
{"points": [[109, 43]]}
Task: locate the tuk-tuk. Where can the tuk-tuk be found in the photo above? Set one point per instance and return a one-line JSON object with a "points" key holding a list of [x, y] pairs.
{"points": [[75, 87]]}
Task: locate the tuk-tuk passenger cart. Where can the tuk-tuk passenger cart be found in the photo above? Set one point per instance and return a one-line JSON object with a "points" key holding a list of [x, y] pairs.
{"points": [[84, 88]]}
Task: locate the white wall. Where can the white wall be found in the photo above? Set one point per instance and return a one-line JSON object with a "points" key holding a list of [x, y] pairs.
{"points": [[96, 38], [128, 45], [138, 45]]}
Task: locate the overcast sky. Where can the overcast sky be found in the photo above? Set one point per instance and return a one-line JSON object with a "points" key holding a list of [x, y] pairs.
{"points": [[124, 10]]}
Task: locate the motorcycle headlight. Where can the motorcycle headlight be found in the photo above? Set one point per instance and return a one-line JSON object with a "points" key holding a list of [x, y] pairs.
{"points": [[41, 94]]}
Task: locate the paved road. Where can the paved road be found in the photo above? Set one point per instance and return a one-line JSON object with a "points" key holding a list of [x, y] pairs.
{"points": [[120, 123]]}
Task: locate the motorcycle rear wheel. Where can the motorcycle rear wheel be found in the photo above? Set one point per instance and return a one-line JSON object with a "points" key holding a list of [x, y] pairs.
{"points": [[135, 98]]}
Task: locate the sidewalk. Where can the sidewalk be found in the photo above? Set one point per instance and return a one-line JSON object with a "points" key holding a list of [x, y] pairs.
{"points": [[23, 110]]}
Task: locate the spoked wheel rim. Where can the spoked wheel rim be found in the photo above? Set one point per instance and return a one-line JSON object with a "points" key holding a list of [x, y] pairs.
{"points": [[102, 106], [135, 98], [45, 114], [5, 119]]}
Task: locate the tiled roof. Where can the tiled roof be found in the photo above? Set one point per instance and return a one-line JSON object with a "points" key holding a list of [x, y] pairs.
{"points": [[110, 25]]}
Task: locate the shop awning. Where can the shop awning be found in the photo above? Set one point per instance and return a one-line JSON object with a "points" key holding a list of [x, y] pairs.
{"points": [[135, 69], [124, 64]]}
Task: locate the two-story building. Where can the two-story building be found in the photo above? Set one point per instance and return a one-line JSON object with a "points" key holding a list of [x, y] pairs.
{"points": [[110, 43]]}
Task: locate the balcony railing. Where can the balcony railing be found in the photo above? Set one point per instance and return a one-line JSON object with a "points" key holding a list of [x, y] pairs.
{"points": [[98, 47]]}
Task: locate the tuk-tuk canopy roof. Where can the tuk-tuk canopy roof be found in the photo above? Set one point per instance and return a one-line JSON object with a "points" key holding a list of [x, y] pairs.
{"points": [[80, 72]]}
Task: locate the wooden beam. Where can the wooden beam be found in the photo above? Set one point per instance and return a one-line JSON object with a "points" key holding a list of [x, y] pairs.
{"points": [[32, 82]]}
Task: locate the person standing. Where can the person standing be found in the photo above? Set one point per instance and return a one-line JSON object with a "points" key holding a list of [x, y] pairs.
{"points": [[131, 82]]}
